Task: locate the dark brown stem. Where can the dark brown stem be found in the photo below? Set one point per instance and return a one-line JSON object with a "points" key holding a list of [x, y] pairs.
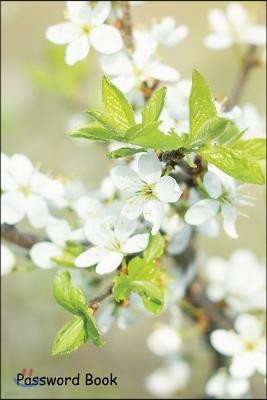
{"points": [[127, 33], [95, 302], [249, 62], [22, 239]]}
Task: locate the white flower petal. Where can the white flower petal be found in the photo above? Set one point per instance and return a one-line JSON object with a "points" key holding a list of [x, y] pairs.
{"points": [[237, 15], [149, 167], [260, 362], [212, 184], [100, 12], [21, 168], [98, 232], [218, 41], [79, 12], [116, 64], [13, 207], [124, 228], [226, 342], [8, 260], [37, 211], [136, 243], [88, 258], [7, 179], [77, 50], [167, 190], [237, 388], [201, 211], [144, 47], [106, 39], [162, 72], [62, 33], [109, 262], [164, 340], [177, 35], [58, 231], [248, 326], [242, 365], [153, 213], [125, 179], [254, 34], [134, 207], [218, 21], [229, 218], [41, 254], [87, 207]]}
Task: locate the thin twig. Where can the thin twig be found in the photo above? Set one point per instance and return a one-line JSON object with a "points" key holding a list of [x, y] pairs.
{"points": [[127, 32], [19, 238], [95, 302]]}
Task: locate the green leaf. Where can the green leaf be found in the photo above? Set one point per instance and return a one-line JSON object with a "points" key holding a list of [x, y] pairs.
{"points": [[230, 135], [154, 106], [201, 107], [255, 148], [124, 152], [151, 137], [108, 121], [211, 129], [70, 337], [68, 296], [155, 248], [121, 289], [94, 131], [92, 330], [152, 295], [117, 105], [234, 163]]}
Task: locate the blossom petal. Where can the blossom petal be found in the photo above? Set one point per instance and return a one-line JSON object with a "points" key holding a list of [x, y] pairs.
{"points": [[13, 207], [125, 179], [212, 184], [225, 342], [37, 211], [149, 167], [98, 232], [88, 258], [218, 21], [125, 228], [134, 207], [41, 254], [218, 41], [144, 47], [21, 168], [100, 12], [242, 365], [79, 12], [116, 64], [7, 179], [167, 190], [109, 262], [177, 36], [58, 230], [162, 72], [125, 83], [106, 39], [136, 243], [8, 260], [229, 218], [62, 33], [201, 211], [77, 50], [237, 15], [254, 34], [153, 213], [248, 326], [260, 362]]}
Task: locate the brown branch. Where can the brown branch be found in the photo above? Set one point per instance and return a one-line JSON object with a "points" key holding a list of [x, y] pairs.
{"points": [[95, 302], [249, 62], [19, 238], [126, 29]]}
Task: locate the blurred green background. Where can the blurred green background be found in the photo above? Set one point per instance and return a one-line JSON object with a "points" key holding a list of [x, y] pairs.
{"points": [[34, 121]]}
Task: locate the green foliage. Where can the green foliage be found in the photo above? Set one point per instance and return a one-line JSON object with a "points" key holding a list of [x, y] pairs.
{"points": [[255, 148], [93, 131], [154, 106], [213, 128], [82, 326], [234, 163], [144, 277], [124, 152]]}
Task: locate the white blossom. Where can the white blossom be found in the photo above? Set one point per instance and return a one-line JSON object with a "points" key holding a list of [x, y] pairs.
{"points": [[110, 245], [146, 191], [85, 28], [8, 260], [164, 340], [246, 346], [166, 381], [224, 197], [223, 386], [233, 26], [129, 71], [167, 34], [240, 281]]}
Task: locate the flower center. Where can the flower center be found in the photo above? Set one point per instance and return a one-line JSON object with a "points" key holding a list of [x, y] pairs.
{"points": [[148, 191], [25, 189], [86, 28], [250, 346]]}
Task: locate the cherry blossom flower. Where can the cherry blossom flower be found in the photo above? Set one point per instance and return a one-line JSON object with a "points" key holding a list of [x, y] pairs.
{"points": [[130, 71], [146, 190], [240, 281], [8, 260], [167, 34], [167, 380], [246, 346], [223, 386], [224, 197], [164, 340], [23, 188], [110, 245], [232, 27], [85, 28]]}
